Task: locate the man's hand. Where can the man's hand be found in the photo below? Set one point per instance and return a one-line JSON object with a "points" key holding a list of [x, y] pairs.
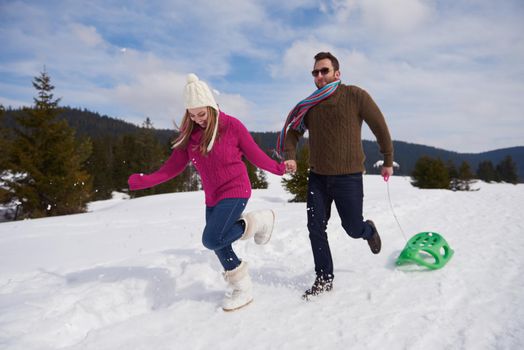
{"points": [[386, 172], [291, 166]]}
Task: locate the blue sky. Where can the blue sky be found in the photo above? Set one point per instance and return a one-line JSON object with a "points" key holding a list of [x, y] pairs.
{"points": [[448, 74]]}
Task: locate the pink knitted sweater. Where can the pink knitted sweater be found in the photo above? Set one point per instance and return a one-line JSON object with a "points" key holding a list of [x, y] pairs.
{"points": [[222, 171]]}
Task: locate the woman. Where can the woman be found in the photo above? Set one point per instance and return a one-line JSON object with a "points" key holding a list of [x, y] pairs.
{"points": [[215, 142]]}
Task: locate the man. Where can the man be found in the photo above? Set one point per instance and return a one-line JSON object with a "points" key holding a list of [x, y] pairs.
{"points": [[333, 115]]}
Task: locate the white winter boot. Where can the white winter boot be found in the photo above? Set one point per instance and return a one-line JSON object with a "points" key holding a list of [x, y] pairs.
{"points": [[239, 280], [259, 224]]}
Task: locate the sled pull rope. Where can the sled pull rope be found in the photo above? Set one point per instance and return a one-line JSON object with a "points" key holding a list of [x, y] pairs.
{"points": [[393, 211]]}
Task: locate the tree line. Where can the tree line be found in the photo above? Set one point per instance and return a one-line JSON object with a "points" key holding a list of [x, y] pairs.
{"points": [[48, 169], [434, 173], [428, 173]]}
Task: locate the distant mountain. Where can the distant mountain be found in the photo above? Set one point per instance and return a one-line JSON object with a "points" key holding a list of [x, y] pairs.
{"points": [[94, 125], [407, 154]]}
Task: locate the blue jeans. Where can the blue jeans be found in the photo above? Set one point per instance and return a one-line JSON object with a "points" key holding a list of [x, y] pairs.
{"points": [[223, 228], [348, 194]]}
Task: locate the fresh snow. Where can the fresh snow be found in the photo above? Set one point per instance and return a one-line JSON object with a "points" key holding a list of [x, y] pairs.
{"points": [[133, 274]]}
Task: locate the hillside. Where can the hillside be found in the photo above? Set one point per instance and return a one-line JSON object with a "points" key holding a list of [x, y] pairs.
{"points": [[406, 154], [133, 274]]}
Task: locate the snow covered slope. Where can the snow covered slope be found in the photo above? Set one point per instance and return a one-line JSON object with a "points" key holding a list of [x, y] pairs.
{"points": [[133, 274]]}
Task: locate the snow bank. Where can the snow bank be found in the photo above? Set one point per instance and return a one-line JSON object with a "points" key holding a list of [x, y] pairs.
{"points": [[133, 274]]}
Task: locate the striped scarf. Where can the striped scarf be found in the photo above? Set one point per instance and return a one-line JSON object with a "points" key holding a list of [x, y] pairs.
{"points": [[295, 118]]}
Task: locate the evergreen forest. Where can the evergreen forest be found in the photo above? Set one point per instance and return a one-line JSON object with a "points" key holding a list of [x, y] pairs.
{"points": [[55, 159]]}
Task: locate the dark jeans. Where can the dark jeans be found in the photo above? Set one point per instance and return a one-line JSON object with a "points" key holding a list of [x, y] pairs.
{"points": [[223, 228], [348, 194]]}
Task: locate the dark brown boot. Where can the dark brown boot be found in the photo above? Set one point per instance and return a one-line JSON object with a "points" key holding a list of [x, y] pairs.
{"points": [[374, 241], [321, 285]]}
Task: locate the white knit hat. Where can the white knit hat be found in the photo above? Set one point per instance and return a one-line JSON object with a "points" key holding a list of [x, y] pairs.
{"points": [[197, 94]]}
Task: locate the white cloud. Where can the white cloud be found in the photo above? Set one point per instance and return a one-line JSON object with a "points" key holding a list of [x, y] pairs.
{"points": [[297, 61], [13, 103], [393, 17], [157, 95], [237, 106], [443, 64], [87, 34]]}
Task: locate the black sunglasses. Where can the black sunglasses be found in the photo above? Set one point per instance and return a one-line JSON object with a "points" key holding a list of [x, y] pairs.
{"points": [[324, 71]]}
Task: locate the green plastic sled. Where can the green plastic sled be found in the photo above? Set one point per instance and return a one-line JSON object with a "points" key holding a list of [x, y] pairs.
{"points": [[427, 249]]}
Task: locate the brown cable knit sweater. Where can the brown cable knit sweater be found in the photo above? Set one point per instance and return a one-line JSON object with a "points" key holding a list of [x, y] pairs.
{"points": [[335, 144]]}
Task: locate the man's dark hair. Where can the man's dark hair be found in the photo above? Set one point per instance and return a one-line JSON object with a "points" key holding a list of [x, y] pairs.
{"points": [[323, 55]]}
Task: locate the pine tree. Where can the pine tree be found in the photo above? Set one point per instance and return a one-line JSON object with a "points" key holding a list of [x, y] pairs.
{"points": [[430, 173], [453, 176], [140, 152], [465, 176], [124, 163], [4, 142], [452, 170], [188, 181], [257, 177], [507, 170], [5, 148], [297, 184], [261, 182], [149, 154], [47, 159], [100, 167], [486, 171], [143, 153]]}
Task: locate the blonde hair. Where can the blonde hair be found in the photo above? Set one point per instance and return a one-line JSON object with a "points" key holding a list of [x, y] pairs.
{"points": [[209, 136]]}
